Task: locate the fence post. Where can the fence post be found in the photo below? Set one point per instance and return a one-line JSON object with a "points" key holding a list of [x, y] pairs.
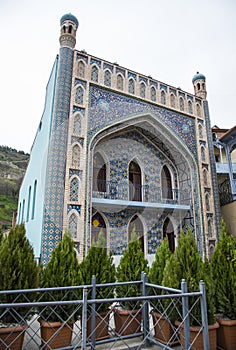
{"points": [[204, 316], [145, 314], [185, 311], [84, 318], [93, 313]]}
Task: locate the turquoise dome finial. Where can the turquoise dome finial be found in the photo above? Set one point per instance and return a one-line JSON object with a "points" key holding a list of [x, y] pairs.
{"points": [[198, 76], [69, 17]]}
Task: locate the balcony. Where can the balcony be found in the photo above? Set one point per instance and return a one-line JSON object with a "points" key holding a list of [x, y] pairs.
{"points": [[109, 194]]}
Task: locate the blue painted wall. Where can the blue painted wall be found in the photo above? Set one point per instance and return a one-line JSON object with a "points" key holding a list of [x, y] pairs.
{"points": [[32, 192]]}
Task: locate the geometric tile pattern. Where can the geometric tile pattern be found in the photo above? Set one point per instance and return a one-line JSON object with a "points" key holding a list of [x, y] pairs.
{"points": [[55, 178], [108, 107]]}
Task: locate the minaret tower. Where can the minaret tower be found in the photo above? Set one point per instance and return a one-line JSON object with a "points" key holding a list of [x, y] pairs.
{"points": [[199, 84], [57, 152], [69, 25]]}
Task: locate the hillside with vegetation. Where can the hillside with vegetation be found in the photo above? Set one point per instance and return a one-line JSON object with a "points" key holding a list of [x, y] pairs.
{"points": [[13, 164]]}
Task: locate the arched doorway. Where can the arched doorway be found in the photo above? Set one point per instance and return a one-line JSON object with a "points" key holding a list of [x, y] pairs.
{"points": [[168, 231], [99, 173], [137, 224], [135, 182], [166, 183], [98, 225]]}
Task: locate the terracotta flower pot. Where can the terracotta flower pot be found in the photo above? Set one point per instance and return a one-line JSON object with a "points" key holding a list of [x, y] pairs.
{"points": [[164, 329], [198, 342], [12, 337], [55, 335], [226, 334], [127, 321], [101, 325]]}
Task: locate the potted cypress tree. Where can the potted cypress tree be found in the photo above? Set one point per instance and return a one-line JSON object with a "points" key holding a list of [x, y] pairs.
{"points": [[99, 264], [186, 263], [61, 271], [164, 329], [224, 272], [18, 270], [132, 264]]}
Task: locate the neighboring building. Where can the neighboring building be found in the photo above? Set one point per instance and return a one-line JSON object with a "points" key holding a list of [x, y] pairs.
{"points": [[117, 149], [225, 156]]}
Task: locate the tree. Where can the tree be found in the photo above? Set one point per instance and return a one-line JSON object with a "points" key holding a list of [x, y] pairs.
{"points": [[224, 274]]}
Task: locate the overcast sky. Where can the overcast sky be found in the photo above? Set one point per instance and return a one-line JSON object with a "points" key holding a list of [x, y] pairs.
{"points": [[167, 39]]}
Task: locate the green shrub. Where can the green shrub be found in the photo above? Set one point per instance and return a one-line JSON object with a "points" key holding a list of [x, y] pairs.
{"points": [[131, 265], [61, 271], [223, 264]]}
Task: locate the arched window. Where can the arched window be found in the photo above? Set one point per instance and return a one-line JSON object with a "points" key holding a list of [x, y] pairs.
{"points": [[163, 97], [208, 207], [120, 82], [137, 226], [209, 224], [81, 69], [98, 225], [153, 94], [198, 86], [172, 100], [107, 77], [79, 95], [77, 125], [205, 177], [200, 130], [181, 104], [28, 206], [99, 173], [190, 107], [166, 183], [76, 156], [198, 110], [23, 211], [203, 153], [142, 90], [168, 231], [34, 200], [74, 189], [131, 86], [94, 74], [73, 225], [135, 182]]}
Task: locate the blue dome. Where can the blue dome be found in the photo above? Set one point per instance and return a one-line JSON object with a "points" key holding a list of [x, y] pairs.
{"points": [[69, 17], [198, 76]]}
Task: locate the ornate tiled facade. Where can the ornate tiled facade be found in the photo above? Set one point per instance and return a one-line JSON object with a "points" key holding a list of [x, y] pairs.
{"points": [[108, 120]]}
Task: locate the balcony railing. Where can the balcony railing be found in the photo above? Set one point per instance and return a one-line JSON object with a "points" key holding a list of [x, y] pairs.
{"points": [[142, 193]]}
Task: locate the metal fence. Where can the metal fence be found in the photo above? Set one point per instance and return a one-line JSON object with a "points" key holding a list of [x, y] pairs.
{"points": [[127, 315]]}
